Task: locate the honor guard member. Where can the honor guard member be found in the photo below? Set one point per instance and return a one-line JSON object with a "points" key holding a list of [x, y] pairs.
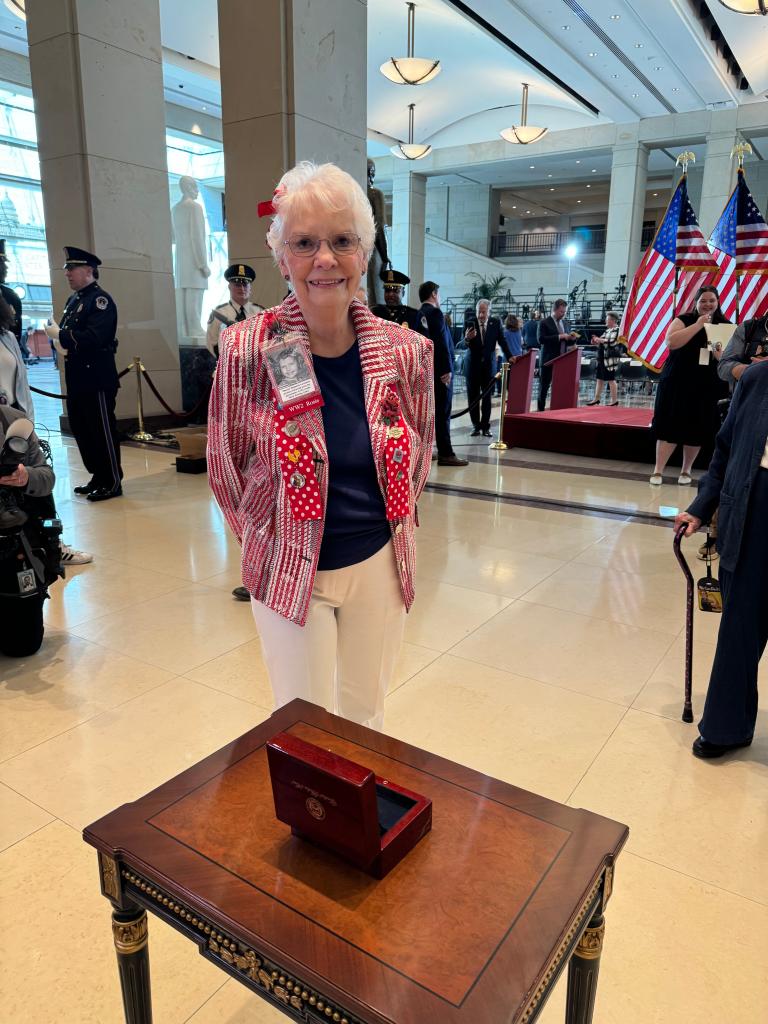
{"points": [[10, 295], [393, 308], [86, 338], [239, 277]]}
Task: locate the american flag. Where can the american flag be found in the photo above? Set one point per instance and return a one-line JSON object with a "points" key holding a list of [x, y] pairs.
{"points": [[650, 307], [739, 244]]}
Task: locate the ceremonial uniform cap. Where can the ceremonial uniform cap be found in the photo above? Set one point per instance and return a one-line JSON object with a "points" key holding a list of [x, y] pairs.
{"points": [[74, 257], [240, 272], [393, 278], [2, 249]]}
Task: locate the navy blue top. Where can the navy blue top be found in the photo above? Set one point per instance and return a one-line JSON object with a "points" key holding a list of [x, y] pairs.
{"points": [[514, 340], [356, 524]]}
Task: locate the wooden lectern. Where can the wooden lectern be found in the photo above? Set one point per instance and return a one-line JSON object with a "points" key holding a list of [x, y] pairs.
{"points": [[520, 383], [566, 370]]}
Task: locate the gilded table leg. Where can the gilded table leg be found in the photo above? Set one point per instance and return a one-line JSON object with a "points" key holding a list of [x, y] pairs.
{"points": [[582, 972], [129, 928]]}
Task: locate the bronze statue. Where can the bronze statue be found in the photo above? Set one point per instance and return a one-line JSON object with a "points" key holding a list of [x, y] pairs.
{"points": [[379, 257]]}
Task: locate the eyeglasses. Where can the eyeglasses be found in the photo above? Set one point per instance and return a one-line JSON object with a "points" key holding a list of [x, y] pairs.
{"points": [[345, 243]]}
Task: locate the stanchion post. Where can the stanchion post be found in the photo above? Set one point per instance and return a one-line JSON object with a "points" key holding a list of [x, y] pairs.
{"points": [[498, 445], [140, 434]]}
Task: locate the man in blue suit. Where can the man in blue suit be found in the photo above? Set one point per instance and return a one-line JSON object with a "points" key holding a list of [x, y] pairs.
{"points": [[737, 481], [482, 334], [433, 324]]}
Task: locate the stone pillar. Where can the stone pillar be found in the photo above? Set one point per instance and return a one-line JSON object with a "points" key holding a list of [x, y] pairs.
{"points": [[409, 205], [293, 87], [626, 206], [97, 81], [469, 217], [719, 178]]}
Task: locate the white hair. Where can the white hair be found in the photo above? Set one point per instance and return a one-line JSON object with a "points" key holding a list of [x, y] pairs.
{"points": [[309, 186], [484, 302]]}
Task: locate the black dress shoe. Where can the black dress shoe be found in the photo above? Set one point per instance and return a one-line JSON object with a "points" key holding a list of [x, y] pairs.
{"points": [[241, 594], [475, 432], [706, 751], [487, 433], [451, 460], [86, 488], [105, 493]]}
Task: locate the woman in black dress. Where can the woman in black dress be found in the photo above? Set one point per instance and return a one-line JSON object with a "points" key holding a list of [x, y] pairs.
{"points": [[608, 353], [689, 388]]}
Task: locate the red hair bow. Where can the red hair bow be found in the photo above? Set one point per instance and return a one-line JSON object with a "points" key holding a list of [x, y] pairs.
{"points": [[267, 209]]}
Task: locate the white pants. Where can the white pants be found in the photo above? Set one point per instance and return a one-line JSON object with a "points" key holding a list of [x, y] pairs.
{"points": [[344, 657]]}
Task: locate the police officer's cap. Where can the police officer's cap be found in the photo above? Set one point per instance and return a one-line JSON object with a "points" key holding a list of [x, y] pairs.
{"points": [[240, 272], [74, 257], [394, 279], [3, 255]]}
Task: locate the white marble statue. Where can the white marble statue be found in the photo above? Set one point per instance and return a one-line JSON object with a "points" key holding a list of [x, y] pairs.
{"points": [[191, 271]]}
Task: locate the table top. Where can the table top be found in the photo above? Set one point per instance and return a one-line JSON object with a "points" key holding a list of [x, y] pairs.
{"points": [[466, 924]]}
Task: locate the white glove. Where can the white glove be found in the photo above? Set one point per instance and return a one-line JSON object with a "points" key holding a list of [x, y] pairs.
{"points": [[52, 329]]}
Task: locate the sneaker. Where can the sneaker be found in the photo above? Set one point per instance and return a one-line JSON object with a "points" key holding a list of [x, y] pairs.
{"points": [[708, 549], [684, 480], [71, 556], [657, 480]]}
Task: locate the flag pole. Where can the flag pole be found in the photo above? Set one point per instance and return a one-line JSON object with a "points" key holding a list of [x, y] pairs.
{"points": [[688, 157], [739, 151]]}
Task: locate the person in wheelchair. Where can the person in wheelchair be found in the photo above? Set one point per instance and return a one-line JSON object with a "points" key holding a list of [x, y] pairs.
{"points": [[30, 553]]}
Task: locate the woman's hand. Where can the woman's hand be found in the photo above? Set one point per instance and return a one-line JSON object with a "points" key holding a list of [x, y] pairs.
{"points": [[686, 519], [705, 318], [19, 478]]}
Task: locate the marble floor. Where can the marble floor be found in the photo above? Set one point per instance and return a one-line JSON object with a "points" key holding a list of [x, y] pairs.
{"points": [[545, 647]]}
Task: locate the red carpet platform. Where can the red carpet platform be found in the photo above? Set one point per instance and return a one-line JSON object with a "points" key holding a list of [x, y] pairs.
{"points": [[601, 432]]}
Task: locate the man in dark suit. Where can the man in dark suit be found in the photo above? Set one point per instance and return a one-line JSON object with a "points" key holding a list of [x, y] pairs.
{"points": [[482, 334], [737, 481], [555, 338], [442, 342], [86, 337]]}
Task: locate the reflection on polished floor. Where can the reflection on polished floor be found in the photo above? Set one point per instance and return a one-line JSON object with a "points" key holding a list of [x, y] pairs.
{"points": [[545, 648]]}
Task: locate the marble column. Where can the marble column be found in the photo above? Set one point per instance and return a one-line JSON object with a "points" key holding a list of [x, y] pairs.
{"points": [[97, 82], [409, 212], [719, 177], [293, 87], [626, 205]]}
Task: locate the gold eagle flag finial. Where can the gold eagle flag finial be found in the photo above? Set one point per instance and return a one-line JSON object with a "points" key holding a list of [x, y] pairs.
{"points": [[688, 157], [740, 150]]}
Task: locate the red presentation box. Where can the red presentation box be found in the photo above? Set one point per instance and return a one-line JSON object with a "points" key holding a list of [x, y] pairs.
{"points": [[343, 807]]}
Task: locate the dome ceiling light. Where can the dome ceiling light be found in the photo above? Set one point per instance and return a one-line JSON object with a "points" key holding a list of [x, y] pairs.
{"points": [[18, 7], [410, 150], [746, 6], [523, 134], [410, 70]]}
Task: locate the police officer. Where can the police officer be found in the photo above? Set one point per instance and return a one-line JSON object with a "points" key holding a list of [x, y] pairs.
{"points": [[86, 339], [393, 308], [11, 298], [239, 277]]}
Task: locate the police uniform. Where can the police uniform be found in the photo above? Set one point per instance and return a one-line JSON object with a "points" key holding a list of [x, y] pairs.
{"points": [[405, 316], [87, 335], [11, 298], [229, 313]]}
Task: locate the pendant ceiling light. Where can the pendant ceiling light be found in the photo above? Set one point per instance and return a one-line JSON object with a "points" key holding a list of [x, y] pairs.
{"points": [[523, 134], [410, 150], [18, 7], [410, 70], [746, 6]]}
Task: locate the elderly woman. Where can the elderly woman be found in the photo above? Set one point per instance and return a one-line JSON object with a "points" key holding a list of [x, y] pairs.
{"points": [[689, 388], [319, 482]]}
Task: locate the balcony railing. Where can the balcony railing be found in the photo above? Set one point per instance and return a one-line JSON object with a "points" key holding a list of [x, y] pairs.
{"points": [[553, 243]]}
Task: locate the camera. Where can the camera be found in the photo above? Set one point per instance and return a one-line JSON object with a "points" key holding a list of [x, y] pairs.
{"points": [[14, 451]]}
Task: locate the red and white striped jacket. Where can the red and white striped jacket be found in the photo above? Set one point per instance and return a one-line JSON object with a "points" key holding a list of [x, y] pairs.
{"points": [[280, 552]]}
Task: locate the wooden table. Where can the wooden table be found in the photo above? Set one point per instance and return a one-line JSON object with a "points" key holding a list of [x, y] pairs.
{"points": [[474, 925]]}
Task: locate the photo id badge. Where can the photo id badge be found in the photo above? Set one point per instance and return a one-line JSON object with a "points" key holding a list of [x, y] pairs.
{"points": [[27, 583], [704, 356], [291, 374]]}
